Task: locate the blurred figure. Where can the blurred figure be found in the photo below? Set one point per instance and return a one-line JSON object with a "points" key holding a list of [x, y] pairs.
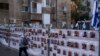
{"points": [[23, 46], [77, 26], [84, 26]]}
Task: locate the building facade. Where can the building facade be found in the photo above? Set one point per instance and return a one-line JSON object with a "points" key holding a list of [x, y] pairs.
{"points": [[36, 12], [58, 42]]}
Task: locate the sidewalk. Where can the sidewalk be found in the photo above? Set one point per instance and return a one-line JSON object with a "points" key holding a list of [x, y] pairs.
{"points": [[6, 51], [12, 51]]}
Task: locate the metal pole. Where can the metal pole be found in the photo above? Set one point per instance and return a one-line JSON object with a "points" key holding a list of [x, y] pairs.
{"points": [[99, 42], [8, 33], [56, 15], [48, 41]]}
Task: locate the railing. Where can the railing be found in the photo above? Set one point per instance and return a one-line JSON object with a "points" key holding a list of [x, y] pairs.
{"points": [[48, 10], [36, 16], [34, 10]]}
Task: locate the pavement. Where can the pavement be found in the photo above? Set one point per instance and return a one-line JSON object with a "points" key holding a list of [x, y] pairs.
{"points": [[6, 51]]}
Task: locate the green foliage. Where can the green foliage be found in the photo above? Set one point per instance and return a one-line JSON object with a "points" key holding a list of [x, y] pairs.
{"points": [[82, 11]]}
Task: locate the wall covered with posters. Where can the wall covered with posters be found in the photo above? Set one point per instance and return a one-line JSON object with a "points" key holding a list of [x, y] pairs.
{"points": [[60, 42]]}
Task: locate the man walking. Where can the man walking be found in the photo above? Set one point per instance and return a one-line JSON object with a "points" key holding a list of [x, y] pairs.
{"points": [[23, 46]]}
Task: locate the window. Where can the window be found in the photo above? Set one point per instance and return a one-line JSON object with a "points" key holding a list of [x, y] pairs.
{"points": [[92, 47], [84, 46], [34, 7], [69, 53], [24, 8], [47, 2], [4, 6], [64, 52]]}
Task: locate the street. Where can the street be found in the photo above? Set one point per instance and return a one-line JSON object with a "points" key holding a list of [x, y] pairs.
{"points": [[5, 51]]}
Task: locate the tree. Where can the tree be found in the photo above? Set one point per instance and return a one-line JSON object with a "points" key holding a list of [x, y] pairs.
{"points": [[81, 12]]}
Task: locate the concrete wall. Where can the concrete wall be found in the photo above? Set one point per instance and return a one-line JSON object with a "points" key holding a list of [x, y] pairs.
{"points": [[4, 15], [4, 1], [61, 17]]}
